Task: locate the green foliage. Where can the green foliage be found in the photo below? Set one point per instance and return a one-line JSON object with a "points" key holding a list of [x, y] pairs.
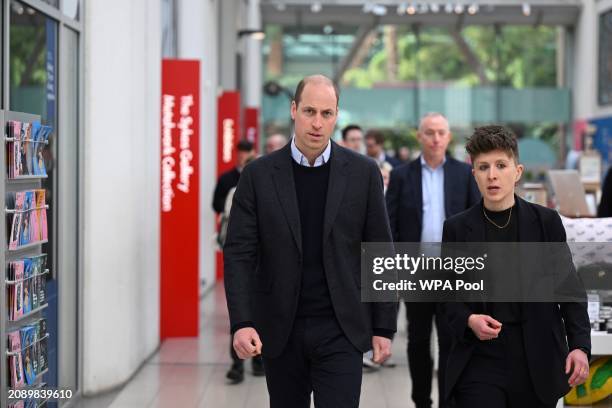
{"points": [[28, 55], [515, 56]]}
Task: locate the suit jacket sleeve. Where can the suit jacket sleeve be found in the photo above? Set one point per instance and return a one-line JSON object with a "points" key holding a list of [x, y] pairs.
{"points": [[392, 199], [240, 251], [376, 229], [457, 313], [575, 315], [221, 190], [473, 192], [605, 205]]}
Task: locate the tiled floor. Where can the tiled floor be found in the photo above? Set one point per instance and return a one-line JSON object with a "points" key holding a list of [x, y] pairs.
{"points": [[190, 373]]}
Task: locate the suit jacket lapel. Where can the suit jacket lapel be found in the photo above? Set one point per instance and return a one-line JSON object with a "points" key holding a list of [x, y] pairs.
{"points": [[285, 189], [529, 231], [448, 173], [417, 185], [529, 227], [475, 225], [338, 180]]}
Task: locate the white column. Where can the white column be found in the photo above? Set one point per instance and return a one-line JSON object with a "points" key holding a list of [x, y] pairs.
{"points": [[228, 32], [251, 67], [120, 180], [197, 39]]}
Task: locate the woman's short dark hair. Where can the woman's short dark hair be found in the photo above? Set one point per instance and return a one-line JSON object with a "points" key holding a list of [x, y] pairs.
{"points": [[485, 139]]}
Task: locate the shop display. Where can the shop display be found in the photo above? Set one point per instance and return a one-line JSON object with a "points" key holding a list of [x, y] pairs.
{"points": [[23, 326]]}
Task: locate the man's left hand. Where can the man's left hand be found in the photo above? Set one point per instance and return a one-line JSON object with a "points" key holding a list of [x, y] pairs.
{"points": [[577, 360], [381, 346]]}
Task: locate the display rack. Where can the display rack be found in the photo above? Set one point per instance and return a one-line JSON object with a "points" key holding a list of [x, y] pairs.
{"points": [[7, 185]]}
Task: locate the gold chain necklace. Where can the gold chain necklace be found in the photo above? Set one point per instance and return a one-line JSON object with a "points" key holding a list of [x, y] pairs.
{"points": [[492, 222]]}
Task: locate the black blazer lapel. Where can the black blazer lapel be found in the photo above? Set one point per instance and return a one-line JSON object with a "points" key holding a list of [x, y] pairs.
{"points": [[417, 185], [448, 184], [338, 180], [285, 189], [530, 229], [475, 224]]}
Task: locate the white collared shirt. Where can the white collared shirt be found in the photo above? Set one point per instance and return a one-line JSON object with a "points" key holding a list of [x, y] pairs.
{"points": [[303, 161], [432, 181]]}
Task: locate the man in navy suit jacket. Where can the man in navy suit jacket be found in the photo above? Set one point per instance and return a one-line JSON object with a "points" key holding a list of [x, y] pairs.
{"points": [[420, 196]]}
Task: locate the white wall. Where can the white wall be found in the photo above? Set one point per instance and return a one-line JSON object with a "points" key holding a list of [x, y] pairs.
{"points": [[197, 39], [121, 189], [586, 61]]}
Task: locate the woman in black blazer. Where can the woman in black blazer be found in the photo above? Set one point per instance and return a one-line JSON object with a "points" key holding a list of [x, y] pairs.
{"points": [[511, 354]]}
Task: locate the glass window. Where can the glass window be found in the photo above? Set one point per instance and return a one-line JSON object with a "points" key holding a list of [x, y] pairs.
{"points": [[70, 8], [605, 59], [54, 3], [33, 89]]}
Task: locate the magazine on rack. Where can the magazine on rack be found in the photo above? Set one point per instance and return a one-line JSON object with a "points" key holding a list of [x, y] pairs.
{"points": [[15, 364], [29, 220], [28, 293], [28, 344], [36, 128], [25, 237], [15, 201]]}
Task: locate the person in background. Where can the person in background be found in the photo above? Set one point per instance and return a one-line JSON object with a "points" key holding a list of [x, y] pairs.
{"points": [[385, 171], [375, 141], [275, 142], [352, 138], [403, 154], [226, 183], [229, 179], [421, 195], [605, 204]]}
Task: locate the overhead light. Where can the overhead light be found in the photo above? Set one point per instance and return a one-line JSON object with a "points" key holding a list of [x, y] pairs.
{"points": [[411, 9], [448, 8], [30, 11], [254, 34], [434, 7], [526, 9], [281, 6], [423, 8], [401, 9], [379, 10], [17, 8], [316, 7], [473, 9], [459, 8], [328, 29]]}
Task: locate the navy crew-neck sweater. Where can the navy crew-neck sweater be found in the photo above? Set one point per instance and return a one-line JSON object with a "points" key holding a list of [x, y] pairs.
{"points": [[311, 190]]}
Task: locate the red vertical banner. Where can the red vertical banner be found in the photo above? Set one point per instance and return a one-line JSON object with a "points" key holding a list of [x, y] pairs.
{"points": [[251, 126], [228, 135], [180, 191]]}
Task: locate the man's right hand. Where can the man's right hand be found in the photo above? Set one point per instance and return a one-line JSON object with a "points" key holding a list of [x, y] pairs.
{"points": [[484, 326], [246, 343]]}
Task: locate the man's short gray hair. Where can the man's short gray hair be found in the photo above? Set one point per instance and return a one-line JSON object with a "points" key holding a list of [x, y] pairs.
{"points": [[431, 115]]}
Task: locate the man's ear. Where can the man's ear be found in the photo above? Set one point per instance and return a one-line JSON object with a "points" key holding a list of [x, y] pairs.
{"points": [[293, 110]]}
